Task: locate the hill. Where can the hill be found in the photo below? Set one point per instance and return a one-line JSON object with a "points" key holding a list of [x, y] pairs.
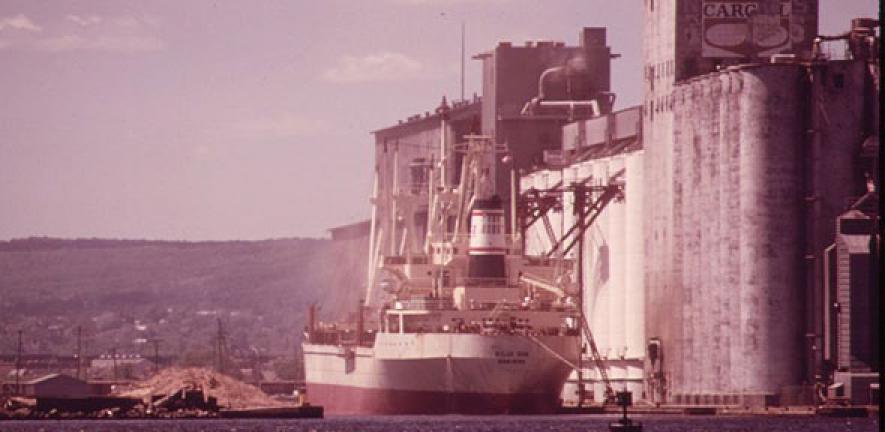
{"points": [[125, 292]]}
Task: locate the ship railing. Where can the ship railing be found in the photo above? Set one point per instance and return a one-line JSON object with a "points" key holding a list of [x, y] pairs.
{"points": [[483, 281], [337, 336], [427, 304], [512, 243], [543, 261], [402, 260], [492, 329], [367, 339], [503, 328]]}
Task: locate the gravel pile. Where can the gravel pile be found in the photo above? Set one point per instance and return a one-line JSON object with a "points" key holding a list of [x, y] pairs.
{"points": [[230, 392]]}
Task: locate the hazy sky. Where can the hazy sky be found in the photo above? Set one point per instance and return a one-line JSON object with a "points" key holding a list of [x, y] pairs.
{"points": [[244, 119]]}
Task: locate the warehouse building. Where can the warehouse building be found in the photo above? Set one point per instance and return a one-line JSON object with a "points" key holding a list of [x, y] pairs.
{"points": [[56, 386]]}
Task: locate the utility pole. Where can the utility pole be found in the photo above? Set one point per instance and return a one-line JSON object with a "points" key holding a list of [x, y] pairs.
{"points": [[18, 365], [86, 369], [360, 324], [114, 359], [256, 374], [79, 349], [220, 347]]}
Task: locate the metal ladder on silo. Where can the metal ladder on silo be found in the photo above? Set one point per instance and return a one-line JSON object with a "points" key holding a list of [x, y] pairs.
{"points": [[597, 359]]}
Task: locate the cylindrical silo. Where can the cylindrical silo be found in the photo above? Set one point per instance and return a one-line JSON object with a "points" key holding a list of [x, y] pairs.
{"points": [[664, 298], [728, 213], [771, 209], [634, 265]]}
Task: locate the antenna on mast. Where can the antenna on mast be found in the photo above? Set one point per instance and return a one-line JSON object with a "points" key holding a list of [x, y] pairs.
{"points": [[462, 60]]}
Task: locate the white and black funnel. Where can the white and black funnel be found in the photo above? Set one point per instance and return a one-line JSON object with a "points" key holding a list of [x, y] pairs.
{"points": [[487, 246]]}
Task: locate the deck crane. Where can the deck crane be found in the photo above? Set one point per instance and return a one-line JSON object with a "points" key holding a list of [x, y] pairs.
{"points": [[589, 202]]}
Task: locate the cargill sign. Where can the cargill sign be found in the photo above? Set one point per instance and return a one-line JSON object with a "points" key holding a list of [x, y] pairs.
{"points": [[735, 28]]}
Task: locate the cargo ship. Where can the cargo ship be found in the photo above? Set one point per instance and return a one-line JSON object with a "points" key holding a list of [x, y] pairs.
{"points": [[470, 325]]}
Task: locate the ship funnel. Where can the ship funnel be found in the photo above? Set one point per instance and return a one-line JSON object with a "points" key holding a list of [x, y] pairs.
{"points": [[487, 246]]}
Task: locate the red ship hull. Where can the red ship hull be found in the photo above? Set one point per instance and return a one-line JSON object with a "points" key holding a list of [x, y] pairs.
{"points": [[347, 400]]}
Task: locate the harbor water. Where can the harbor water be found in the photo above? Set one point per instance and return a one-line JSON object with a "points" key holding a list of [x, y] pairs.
{"points": [[560, 423]]}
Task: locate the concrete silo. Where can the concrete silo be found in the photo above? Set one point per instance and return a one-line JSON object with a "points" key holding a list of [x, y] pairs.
{"points": [[749, 155]]}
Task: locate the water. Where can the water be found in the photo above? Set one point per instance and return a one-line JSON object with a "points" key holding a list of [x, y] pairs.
{"points": [[560, 423]]}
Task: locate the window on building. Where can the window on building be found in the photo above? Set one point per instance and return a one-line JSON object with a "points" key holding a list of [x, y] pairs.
{"points": [[393, 323]]}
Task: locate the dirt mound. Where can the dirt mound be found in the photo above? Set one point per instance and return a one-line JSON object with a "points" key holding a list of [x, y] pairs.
{"points": [[231, 393]]}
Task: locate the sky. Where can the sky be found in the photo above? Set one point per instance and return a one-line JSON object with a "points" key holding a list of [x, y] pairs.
{"points": [[219, 120]]}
